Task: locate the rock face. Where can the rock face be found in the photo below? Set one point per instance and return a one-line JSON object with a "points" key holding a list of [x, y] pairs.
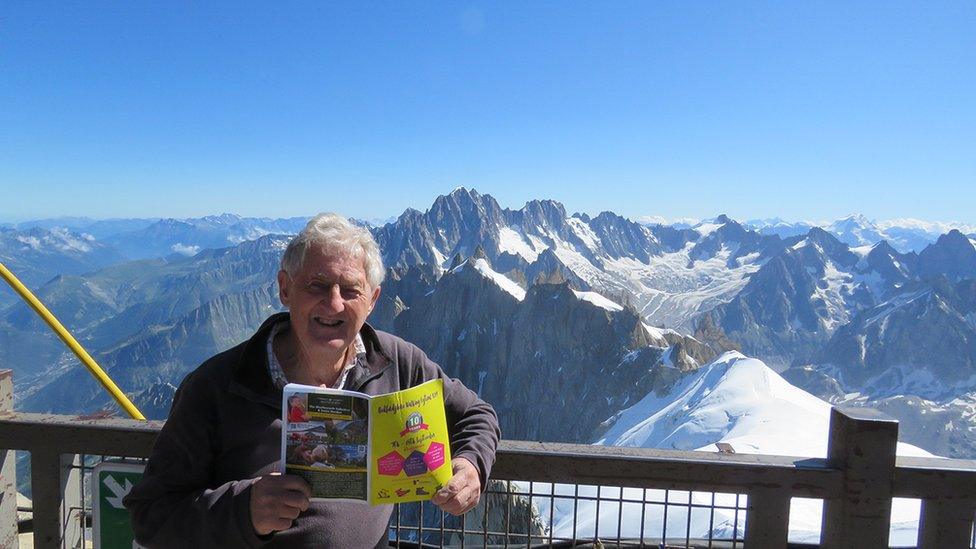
{"points": [[790, 308], [541, 348], [952, 256], [670, 275], [918, 342]]}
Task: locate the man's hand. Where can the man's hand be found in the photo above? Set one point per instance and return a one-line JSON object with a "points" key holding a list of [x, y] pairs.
{"points": [[277, 500], [463, 491]]}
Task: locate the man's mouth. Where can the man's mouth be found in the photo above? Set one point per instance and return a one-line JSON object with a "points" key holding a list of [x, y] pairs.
{"points": [[326, 322]]}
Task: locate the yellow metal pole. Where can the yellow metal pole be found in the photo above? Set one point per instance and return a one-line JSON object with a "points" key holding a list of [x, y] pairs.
{"points": [[70, 341]]}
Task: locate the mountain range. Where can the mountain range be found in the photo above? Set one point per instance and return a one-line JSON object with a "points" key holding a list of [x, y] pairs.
{"points": [[582, 315]]}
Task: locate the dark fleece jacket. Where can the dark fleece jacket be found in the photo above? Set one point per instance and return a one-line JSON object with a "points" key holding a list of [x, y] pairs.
{"points": [[224, 431]]}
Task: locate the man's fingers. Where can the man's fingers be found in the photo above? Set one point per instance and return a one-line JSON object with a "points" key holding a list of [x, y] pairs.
{"points": [[294, 499], [297, 483], [281, 524], [448, 491], [288, 512], [460, 502], [465, 500], [276, 501]]}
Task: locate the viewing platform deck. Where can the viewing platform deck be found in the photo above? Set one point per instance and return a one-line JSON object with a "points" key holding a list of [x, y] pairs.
{"points": [[536, 483]]}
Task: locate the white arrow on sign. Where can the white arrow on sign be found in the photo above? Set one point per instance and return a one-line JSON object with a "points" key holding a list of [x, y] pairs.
{"points": [[118, 490]]}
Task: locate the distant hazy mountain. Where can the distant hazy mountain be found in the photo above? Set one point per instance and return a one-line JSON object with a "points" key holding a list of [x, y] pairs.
{"points": [[36, 255], [779, 227], [905, 235], [148, 322], [189, 236], [97, 228]]}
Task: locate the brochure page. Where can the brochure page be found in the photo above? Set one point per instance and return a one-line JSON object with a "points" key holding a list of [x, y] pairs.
{"points": [[411, 449], [326, 436]]}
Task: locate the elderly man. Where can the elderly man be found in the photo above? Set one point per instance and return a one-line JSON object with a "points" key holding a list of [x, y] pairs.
{"points": [[212, 479]]}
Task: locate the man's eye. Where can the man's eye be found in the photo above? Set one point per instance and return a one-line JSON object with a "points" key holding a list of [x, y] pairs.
{"points": [[351, 293]]}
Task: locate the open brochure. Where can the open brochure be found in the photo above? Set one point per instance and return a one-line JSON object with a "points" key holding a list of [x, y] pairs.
{"points": [[382, 449]]}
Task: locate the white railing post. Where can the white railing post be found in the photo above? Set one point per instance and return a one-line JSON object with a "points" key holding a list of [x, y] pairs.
{"points": [[862, 444], [8, 471]]}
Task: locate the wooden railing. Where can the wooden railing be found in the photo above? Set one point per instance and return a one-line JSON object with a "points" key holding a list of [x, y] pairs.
{"points": [[857, 480]]}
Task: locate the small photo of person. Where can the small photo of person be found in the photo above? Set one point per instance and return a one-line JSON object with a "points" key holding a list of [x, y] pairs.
{"points": [[308, 447], [297, 408]]}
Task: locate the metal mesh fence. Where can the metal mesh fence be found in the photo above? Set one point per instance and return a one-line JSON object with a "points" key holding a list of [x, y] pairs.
{"points": [[531, 514], [526, 514]]}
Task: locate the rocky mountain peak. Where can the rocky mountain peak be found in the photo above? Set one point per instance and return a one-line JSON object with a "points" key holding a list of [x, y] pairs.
{"points": [[853, 220], [545, 214], [479, 253], [952, 255], [831, 246], [883, 248], [954, 241], [224, 219]]}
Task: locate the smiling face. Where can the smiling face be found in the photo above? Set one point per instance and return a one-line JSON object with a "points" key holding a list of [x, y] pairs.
{"points": [[329, 299]]}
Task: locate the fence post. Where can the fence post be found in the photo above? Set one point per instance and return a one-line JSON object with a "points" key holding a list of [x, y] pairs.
{"points": [[861, 442], [56, 486], [72, 500], [946, 523], [46, 491], [768, 518], [8, 471]]}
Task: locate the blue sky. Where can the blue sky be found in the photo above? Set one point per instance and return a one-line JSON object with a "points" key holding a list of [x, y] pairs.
{"points": [[798, 110]]}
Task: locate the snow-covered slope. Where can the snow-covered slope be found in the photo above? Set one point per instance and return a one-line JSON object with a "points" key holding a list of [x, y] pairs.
{"points": [[481, 265], [739, 401]]}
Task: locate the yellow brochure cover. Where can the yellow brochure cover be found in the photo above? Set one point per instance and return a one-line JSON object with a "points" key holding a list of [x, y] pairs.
{"points": [[410, 447]]}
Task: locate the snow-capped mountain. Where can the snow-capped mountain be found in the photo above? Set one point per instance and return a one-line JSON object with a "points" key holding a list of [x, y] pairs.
{"points": [[801, 295], [576, 353], [905, 235], [736, 400], [855, 230], [914, 234], [670, 275], [781, 227]]}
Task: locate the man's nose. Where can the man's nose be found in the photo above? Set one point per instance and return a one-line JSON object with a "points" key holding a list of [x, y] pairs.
{"points": [[334, 301]]}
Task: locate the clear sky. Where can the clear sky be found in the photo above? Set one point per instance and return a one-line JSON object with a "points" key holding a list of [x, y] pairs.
{"points": [[803, 110]]}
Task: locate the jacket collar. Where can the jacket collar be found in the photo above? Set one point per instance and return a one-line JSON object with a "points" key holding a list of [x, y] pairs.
{"points": [[252, 380]]}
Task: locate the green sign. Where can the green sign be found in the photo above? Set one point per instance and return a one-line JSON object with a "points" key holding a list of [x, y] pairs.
{"points": [[111, 481]]}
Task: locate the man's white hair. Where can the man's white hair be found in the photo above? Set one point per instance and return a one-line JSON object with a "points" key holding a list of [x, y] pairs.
{"points": [[333, 234]]}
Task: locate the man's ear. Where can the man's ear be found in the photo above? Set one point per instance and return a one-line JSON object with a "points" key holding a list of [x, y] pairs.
{"points": [[284, 287], [375, 298]]}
